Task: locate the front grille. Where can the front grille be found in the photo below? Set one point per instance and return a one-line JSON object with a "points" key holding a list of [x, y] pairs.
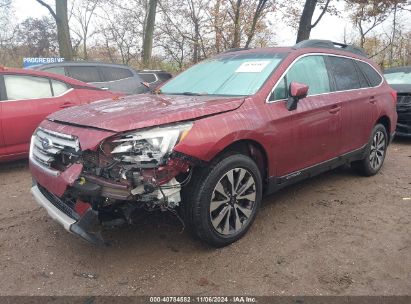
{"points": [[47, 146], [64, 205]]}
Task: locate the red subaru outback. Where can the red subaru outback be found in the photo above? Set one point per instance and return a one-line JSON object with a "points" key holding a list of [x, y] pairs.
{"points": [[215, 139]]}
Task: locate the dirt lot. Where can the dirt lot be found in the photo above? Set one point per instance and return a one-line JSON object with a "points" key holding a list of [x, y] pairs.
{"points": [[334, 234]]}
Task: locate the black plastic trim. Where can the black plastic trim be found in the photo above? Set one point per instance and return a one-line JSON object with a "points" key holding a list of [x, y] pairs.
{"points": [[276, 183], [89, 228]]}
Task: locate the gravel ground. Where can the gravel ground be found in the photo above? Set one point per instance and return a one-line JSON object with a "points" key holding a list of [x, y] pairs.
{"points": [[336, 234]]}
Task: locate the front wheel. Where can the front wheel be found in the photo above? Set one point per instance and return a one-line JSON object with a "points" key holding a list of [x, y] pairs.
{"points": [[223, 200], [375, 154]]}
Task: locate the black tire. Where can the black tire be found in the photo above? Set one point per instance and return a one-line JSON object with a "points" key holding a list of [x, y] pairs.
{"points": [[198, 195], [372, 164]]}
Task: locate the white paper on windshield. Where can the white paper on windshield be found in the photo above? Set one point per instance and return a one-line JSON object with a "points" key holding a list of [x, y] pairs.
{"points": [[252, 66]]}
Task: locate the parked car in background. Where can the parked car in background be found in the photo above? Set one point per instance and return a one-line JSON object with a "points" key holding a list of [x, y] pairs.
{"points": [[154, 77], [114, 77], [27, 97], [400, 80], [212, 141]]}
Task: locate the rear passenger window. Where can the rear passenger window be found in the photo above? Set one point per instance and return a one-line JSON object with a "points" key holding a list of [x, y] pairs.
{"points": [[112, 73], [309, 70], [59, 87], [84, 73], [373, 77], [26, 87], [363, 80], [344, 73]]}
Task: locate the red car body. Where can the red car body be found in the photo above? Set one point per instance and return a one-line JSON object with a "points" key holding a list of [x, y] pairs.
{"points": [[20, 117], [323, 132]]}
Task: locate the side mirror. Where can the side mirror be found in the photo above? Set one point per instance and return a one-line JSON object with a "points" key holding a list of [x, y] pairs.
{"points": [[297, 91]]}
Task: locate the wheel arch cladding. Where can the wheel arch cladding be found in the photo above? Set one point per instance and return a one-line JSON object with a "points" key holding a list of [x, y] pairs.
{"points": [[385, 121], [252, 149]]}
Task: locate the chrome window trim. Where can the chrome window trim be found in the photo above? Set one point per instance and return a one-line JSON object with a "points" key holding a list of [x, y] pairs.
{"points": [[321, 54]]}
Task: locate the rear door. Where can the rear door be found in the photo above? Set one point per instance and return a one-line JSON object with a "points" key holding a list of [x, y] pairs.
{"points": [[28, 100], [358, 105], [310, 134]]}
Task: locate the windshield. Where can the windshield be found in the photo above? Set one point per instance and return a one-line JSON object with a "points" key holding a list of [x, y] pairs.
{"points": [[233, 75], [398, 77]]}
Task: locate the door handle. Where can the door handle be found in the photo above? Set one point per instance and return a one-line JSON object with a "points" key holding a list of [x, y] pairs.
{"points": [[373, 100], [335, 109]]}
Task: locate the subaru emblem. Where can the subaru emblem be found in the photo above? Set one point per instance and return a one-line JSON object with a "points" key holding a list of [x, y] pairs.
{"points": [[46, 143]]}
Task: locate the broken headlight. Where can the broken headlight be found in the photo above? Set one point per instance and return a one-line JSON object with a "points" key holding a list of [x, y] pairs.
{"points": [[148, 146]]}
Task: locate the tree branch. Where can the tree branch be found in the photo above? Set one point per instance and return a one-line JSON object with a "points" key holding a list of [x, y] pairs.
{"points": [[322, 14], [49, 8]]}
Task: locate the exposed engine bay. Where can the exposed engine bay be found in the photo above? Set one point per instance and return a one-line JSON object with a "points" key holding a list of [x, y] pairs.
{"points": [[125, 173]]}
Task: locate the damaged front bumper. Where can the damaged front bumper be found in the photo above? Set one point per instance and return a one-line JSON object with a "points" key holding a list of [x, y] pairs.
{"points": [[87, 227], [85, 186]]}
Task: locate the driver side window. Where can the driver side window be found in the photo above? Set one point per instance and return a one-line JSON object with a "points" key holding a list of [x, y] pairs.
{"points": [[309, 70]]}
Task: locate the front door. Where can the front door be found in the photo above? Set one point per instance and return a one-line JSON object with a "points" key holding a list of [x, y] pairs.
{"points": [[310, 134]]}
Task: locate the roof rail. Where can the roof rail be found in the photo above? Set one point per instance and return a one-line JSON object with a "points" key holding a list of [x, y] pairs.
{"points": [[236, 50], [328, 44]]}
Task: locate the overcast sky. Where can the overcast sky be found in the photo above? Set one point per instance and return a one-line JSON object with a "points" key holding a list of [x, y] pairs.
{"points": [[330, 27]]}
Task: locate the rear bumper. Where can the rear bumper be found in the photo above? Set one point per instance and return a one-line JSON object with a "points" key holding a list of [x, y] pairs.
{"points": [[87, 227]]}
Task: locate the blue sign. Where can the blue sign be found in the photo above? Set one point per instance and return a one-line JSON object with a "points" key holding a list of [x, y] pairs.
{"points": [[33, 61]]}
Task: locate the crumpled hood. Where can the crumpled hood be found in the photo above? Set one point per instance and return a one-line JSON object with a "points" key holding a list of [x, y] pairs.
{"points": [[144, 110]]}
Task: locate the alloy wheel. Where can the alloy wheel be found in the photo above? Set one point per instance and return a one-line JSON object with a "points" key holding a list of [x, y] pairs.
{"points": [[377, 152], [233, 201]]}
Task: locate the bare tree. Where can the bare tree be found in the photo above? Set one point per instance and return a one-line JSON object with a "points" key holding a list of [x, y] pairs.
{"points": [[63, 30], [83, 13], [306, 24], [37, 37], [235, 16], [6, 23], [7, 34], [236, 23], [368, 15], [262, 4], [149, 32]]}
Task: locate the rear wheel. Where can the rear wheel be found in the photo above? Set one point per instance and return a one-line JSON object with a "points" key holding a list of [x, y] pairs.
{"points": [[375, 154], [222, 202]]}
